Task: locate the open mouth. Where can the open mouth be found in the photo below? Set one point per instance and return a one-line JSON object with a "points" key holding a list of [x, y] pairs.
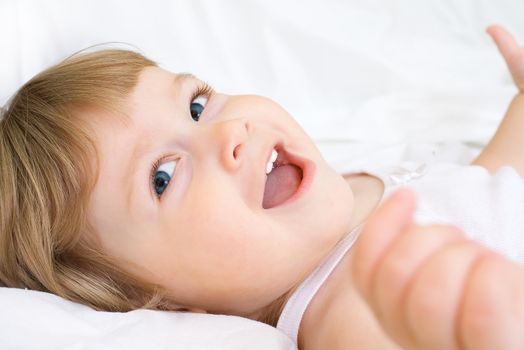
{"points": [[284, 178]]}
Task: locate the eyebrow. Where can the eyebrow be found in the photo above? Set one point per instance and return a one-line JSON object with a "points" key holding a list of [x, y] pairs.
{"points": [[140, 149]]}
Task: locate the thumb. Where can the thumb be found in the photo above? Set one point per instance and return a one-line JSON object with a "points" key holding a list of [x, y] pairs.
{"points": [[387, 223], [503, 39]]}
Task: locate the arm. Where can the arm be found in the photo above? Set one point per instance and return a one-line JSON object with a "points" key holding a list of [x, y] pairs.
{"points": [[506, 147]]}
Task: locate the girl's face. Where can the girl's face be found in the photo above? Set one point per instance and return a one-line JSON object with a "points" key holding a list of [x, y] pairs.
{"points": [[196, 224]]}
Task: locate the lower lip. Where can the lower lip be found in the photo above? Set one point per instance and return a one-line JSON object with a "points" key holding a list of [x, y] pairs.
{"points": [[308, 174]]}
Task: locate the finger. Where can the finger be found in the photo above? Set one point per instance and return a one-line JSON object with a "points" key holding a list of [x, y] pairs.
{"points": [[397, 271], [505, 42], [492, 314], [433, 300], [383, 227]]}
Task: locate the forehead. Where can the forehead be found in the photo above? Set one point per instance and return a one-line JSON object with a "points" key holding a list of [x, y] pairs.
{"points": [[153, 81], [155, 88]]}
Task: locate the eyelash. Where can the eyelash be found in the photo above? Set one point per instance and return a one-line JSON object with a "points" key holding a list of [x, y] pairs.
{"points": [[203, 89]]}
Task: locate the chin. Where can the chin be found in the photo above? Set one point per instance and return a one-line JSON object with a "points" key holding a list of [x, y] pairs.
{"points": [[332, 216], [343, 203]]}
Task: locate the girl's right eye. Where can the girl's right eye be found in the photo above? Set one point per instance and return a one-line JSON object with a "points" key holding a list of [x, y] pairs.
{"points": [[162, 175], [197, 107]]}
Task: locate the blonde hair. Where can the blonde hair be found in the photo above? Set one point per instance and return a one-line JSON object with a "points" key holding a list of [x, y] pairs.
{"points": [[46, 176]]}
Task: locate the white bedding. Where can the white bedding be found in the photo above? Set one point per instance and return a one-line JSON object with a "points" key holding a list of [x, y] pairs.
{"points": [[371, 81], [36, 320]]}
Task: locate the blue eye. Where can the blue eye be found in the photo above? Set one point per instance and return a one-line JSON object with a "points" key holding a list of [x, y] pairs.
{"points": [[162, 176], [197, 107]]}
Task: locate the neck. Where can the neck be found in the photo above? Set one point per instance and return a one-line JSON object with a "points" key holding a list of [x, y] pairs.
{"points": [[316, 321], [272, 314]]}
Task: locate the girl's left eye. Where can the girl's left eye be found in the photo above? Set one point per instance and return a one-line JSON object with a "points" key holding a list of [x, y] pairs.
{"points": [[162, 174], [199, 99]]}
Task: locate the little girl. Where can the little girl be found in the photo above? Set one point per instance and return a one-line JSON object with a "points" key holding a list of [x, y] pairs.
{"points": [[126, 186]]}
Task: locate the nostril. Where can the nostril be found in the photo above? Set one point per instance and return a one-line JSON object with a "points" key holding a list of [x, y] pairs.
{"points": [[235, 151]]}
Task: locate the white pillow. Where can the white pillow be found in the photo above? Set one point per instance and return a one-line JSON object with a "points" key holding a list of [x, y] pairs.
{"points": [[37, 320]]}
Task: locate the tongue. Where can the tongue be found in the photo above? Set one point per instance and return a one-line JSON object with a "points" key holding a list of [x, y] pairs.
{"points": [[281, 183]]}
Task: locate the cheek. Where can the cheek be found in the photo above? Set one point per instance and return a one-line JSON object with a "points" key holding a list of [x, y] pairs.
{"points": [[226, 238], [223, 241], [211, 231]]}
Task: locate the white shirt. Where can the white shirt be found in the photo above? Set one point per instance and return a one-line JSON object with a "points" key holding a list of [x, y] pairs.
{"points": [[488, 208]]}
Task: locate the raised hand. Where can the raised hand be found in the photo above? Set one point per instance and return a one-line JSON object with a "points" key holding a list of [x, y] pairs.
{"points": [[513, 53], [431, 288]]}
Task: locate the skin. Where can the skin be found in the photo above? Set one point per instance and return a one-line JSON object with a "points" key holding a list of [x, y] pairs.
{"points": [[383, 293]]}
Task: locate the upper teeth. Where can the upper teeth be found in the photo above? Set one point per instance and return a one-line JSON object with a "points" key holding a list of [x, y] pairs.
{"points": [[272, 158]]}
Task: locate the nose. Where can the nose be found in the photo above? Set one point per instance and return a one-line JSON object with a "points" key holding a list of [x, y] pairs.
{"points": [[231, 136]]}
